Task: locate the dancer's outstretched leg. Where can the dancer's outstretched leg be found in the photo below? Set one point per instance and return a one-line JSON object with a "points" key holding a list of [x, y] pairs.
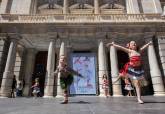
{"points": [[138, 91], [118, 78]]}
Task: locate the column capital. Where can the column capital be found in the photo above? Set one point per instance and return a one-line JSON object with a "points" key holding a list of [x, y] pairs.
{"points": [[14, 36], [3, 36], [53, 36], [160, 35], [100, 40], [32, 50], [148, 36], [52, 40]]}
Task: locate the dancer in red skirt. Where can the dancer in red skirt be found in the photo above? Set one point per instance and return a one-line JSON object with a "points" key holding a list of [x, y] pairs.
{"points": [[133, 69]]}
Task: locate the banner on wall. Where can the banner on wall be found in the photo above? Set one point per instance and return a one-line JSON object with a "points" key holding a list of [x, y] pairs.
{"points": [[84, 63]]}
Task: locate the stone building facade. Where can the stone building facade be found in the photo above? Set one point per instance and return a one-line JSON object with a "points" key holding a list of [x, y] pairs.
{"points": [[34, 33]]}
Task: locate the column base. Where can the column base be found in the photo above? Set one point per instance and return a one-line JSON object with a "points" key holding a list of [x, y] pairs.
{"points": [[159, 94], [45, 96], [117, 95], [26, 91], [1, 97], [101, 95], [59, 96], [7, 95]]}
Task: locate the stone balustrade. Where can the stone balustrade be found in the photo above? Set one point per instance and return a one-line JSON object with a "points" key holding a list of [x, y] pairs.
{"points": [[82, 18]]}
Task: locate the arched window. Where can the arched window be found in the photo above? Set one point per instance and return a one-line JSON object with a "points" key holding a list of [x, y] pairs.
{"points": [[81, 4], [112, 4], [50, 6]]}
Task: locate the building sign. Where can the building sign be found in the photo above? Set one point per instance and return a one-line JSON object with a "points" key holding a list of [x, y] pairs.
{"points": [[85, 64]]}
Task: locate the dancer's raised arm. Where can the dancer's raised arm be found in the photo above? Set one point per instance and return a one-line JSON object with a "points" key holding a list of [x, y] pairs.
{"points": [[119, 47], [74, 72], [145, 46]]}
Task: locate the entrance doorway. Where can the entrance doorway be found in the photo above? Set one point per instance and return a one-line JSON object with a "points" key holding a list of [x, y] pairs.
{"points": [[85, 64], [40, 69], [122, 60]]}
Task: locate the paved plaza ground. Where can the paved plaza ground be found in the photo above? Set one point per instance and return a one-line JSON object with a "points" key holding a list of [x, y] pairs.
{"points": [[83, 105]]}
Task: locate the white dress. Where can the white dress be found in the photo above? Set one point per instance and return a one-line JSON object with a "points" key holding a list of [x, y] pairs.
{"points": [[128, 87]]}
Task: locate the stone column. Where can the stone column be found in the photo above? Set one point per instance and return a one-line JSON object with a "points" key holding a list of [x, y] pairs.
{"points": [[4, 46], [102, 62], [163, 10], [29, 67], [161, 43], [157, 6], [3, 7], [151, 6], [62, 52], [96, 7], [117, 91], [19, 63], [8, 73], [62, 49], [33, 9], [49, 81], [65, 7], [132, 7], [155, 72]]}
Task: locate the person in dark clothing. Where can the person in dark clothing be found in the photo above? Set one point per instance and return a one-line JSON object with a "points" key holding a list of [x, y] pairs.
{"points": [[13, 88], [19, 89]]}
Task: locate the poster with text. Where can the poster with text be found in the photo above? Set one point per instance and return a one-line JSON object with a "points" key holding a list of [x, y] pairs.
{"points": [[84, 63]]}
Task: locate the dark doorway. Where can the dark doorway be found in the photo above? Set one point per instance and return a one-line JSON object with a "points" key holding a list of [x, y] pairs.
{"points": [[40, 69], [109, 74], [123, 58]]}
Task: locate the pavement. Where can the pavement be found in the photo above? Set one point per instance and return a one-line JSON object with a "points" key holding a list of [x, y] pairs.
{"points": [[83, 105]]}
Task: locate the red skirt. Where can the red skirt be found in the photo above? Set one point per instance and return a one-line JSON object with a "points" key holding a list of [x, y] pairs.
{"points": [[133, 68]]}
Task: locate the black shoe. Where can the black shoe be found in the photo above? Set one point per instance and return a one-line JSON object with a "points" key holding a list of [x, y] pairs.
{"points": [[64, 102]]}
